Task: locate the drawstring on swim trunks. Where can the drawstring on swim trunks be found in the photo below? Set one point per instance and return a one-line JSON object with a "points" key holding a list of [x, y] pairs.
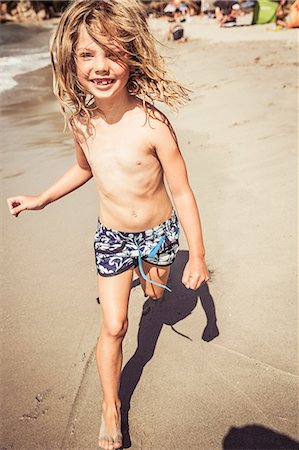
{"points": [[151, 255]]}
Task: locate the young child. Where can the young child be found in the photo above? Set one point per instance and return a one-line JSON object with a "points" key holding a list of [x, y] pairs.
{"points": [[176, 30], [107, 73]]}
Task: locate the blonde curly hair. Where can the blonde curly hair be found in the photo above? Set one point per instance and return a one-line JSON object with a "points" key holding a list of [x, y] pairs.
{"points": [[125, 23]]}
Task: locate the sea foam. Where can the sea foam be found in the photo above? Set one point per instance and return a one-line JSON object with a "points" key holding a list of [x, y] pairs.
{"points": [[10, 66]]}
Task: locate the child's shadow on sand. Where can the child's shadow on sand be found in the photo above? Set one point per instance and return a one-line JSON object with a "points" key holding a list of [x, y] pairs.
{"points": [[168, 310]]}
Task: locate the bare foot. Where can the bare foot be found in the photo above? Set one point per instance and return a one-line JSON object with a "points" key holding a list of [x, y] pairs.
{"points": [[110, 436]]}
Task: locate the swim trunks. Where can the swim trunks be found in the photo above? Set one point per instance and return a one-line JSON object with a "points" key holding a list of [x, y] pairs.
{"points": [[177, 32], [117, 251]]}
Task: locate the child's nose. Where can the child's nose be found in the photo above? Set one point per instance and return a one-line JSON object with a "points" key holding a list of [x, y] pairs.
{"points": [[101, 64]]}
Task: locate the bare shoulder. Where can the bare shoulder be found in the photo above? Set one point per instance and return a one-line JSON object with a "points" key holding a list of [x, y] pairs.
{"points": [[159, 127]]}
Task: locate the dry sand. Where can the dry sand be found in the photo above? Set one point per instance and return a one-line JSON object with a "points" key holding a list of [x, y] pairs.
{"points": [[239, 140]]}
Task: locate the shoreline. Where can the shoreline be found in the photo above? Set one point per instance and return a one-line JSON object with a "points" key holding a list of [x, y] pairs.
{"points": [[29, 56], [31, 86]]}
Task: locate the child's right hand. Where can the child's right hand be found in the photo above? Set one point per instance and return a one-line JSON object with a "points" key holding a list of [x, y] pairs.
{"points": [[21, 202]]}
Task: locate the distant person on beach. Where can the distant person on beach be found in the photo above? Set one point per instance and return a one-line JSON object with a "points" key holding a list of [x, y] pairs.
{"points": [[281, 14], [287, 16], [107, 73], [176, 30], [229, 16], [293, 21]]}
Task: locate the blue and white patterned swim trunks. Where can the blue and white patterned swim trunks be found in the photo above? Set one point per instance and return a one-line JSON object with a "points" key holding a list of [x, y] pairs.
{"points": [[117, 251]]}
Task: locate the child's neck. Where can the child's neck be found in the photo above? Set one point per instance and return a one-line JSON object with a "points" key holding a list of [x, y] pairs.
{"points": [[112, 110]]}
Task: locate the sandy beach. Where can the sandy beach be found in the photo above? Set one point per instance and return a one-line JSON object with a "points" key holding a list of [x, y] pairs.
{"points": [[186, 386]]}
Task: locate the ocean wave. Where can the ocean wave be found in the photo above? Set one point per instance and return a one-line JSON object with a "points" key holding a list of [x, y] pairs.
{"points": [[10, 66]]}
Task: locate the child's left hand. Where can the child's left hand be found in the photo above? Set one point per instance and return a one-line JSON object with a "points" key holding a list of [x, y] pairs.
{"points": [[195, 273]]}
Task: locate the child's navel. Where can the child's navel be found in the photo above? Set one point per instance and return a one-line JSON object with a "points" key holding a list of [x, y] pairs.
{"points": [[138, 163], [134, 214]]}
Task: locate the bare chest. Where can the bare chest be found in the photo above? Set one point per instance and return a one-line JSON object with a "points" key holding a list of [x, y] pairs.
{"points": [[120, 154]]}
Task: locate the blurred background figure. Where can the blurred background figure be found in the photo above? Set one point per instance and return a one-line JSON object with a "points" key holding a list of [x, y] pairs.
{"points": [[226, 13], [281, 14], [172, 7], [205, 8], [184, 8], [294, 15], [176, 30], [30, 11]]}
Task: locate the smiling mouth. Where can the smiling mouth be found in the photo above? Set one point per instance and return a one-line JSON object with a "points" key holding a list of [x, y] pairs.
{"points": [[102, 82]]}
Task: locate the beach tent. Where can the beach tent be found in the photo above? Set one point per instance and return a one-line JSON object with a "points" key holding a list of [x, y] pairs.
{"points": [[264, 11]]}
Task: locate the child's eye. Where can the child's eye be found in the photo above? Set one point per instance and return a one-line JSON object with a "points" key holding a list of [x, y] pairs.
{"points": [[86, 55]]}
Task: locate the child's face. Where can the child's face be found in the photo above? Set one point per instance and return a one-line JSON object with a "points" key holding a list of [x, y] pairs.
{"points": [[100, 72]]}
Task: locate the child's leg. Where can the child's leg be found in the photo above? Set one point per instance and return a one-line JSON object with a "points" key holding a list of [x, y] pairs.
{"points": [[114, 293], [159, 274]]}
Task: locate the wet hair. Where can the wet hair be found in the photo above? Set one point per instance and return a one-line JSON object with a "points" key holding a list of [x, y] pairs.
{"points": [[124, 23]]}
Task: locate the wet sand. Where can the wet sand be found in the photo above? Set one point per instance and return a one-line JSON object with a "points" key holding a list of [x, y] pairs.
{"points": [[239, 139]]}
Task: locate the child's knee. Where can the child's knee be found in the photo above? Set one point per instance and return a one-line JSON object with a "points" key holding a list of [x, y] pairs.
{"points": [[115, 328]]}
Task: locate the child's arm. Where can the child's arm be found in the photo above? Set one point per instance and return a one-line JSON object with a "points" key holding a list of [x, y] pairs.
{"points": [[73, 178], [174, 168]]}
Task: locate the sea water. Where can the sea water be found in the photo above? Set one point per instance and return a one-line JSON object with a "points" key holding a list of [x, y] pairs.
{"points": [[23, 49]]}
